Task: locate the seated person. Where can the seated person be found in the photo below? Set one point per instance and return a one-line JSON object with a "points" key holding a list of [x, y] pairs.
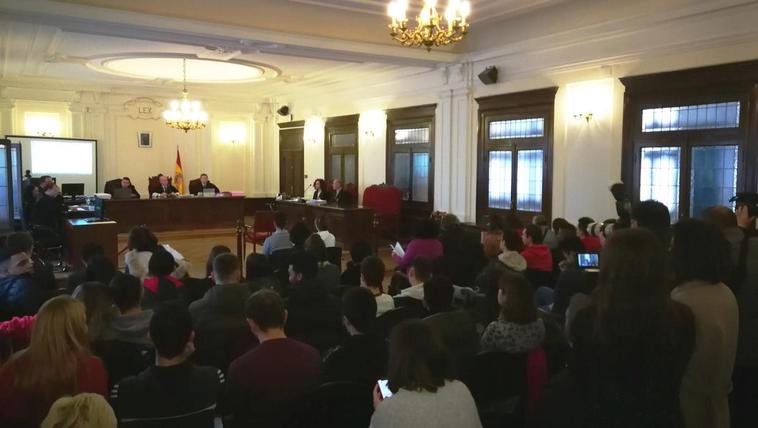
{"points": [[22, 242], [33, 379], [259, 274], [537, 255], [463, 253], [197, 287], [339, 195], [592, 244], [173, 389], [85, 410], [572, 280], [454, 327], [313, 316], [98, 305], [492, 237], [509, 260], [219, 317], [273, 373], [132, 323], [518, 330], [319, 190], [328, 274], [372, 276], [352, 274], [79, 275], [280, 239], [100, 269], [142, 243], [48, 206], [20, 294], [425, 242], [164, 189], [126, 183], [424, 393], [362, 357], [322, 230], [202, 184], [298, 235], [420, 271], [160, 285], [125, 345]]}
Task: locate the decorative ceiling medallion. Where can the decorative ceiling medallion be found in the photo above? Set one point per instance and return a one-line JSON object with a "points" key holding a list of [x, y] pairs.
{"points": [[169, 67]]}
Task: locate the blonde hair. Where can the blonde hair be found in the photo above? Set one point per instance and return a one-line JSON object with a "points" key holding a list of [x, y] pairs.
{"points": [[81, 411], [47, 369]]}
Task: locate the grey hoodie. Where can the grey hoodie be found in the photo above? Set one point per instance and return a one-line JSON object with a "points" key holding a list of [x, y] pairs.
{"points": [[130, 328]]}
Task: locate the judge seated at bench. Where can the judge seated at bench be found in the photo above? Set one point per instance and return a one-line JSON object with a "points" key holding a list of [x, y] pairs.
{"points": [[202, 184], [165, 188], [339, 195], [126, 183]]}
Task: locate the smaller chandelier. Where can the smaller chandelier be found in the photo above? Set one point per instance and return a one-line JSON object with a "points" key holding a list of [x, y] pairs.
{"points": [[429, 31], [185, 114]]}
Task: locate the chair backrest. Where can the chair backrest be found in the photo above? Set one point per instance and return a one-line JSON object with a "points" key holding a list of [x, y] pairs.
{"points": [[495, 375], [194, 186], [264, 221], [334, 404], [409, 302], [388, 320], [111, 185], [122, 359], [383, 199], [279, 260], [334, 256]]}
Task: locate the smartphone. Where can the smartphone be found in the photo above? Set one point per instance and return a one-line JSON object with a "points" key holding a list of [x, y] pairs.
{"points": [[384, 389], [587, 260]]}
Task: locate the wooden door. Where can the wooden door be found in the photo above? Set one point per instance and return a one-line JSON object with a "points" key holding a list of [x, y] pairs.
{"points": [[291, 168]]}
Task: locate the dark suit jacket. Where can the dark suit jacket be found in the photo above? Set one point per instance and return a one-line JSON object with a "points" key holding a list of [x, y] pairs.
{"points": [[195, 187], [321, 194], [170, 189], [342, 197]]}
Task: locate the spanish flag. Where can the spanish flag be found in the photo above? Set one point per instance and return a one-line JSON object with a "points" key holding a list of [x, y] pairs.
{"points": [[178, 173]]}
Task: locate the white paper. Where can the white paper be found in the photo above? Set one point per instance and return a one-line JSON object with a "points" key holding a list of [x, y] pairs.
{"points": [[398, 250]]}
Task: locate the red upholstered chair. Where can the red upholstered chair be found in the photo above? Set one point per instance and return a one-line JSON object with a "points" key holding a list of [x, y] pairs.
{"points": [[153, 184], [261, 229], [387, 202]]}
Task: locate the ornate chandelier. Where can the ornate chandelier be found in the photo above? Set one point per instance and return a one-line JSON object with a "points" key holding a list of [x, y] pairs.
{"points": [[429, 30], [185, 114]]}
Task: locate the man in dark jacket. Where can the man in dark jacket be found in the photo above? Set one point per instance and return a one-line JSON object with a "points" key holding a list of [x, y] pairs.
{"points": [[219, 317], [314, 317], [202, 184], [19, 293]]}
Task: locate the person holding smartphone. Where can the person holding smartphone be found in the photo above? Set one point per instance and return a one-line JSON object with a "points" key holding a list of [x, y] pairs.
{"points": [[423, 394]]}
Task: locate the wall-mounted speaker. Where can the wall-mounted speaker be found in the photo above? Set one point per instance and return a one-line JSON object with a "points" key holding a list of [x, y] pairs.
{"points": [[489, 75], [283, 110]]}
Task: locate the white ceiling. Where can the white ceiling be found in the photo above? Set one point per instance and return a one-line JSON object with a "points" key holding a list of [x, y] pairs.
{"points": [[325, 44]]}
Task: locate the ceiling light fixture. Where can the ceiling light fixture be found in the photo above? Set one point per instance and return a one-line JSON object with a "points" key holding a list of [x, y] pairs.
{"points": [[185, 114], [429, 30]]}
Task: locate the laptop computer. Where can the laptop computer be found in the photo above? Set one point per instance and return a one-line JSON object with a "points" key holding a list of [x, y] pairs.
{"points": [[121, 193]]}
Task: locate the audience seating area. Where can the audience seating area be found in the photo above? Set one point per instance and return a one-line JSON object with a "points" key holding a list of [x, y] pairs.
{"points": [[292, 340]]}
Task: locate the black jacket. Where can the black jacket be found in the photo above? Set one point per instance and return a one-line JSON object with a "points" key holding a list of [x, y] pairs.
{"points": [[182, 395], [20, 295], [313, 316], [221, 330], [169, 189], [196, 187], [360, 358], [321, 194], [342, 198]]}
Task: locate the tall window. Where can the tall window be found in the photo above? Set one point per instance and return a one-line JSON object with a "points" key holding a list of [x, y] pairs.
{"points": [[410, 148], [515, 148], [686, 137], [341, 149]]}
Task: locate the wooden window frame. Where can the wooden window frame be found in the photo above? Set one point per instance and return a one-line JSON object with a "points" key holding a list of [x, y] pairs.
{"points": [[731, 82], [412, 117], [520, 105]]}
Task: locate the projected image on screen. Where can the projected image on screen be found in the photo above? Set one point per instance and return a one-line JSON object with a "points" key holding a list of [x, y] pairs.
{"points": [[59, 157]]}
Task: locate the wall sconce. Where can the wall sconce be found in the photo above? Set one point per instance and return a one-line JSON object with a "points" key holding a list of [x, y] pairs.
{"points": [[42, 124], [371, 122], [313, 132], [589, 100], [232, 132], [369, 133]]}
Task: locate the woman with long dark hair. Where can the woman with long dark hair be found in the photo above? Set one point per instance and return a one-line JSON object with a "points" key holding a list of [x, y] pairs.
{"points": [[160, 285], [633, 344], [423, 393], [701, 262], [518, 329], [319, 189]]}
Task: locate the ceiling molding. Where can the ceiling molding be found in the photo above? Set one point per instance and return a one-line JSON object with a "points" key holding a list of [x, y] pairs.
{"points": [[119, 23]]}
